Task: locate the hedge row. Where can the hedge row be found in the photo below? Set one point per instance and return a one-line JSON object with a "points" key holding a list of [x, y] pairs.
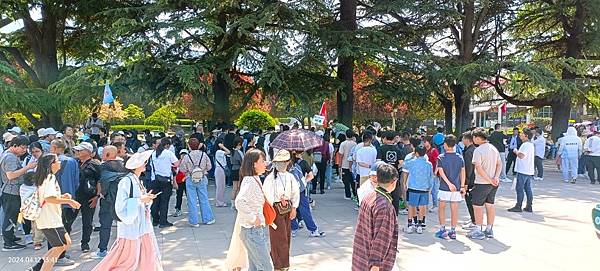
{"points": [[137, 127]]}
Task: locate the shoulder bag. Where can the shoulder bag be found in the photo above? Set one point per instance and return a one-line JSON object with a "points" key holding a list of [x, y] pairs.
{"points": [[283, 206], [268, 210]]}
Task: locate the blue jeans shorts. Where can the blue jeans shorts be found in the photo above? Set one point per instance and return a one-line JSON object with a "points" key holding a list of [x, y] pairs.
{"points": [[418, 198]]}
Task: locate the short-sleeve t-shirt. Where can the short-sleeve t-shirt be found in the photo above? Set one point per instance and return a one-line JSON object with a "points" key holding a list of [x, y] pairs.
{"points": [[368, 155], [10, 162], [345, 149], [162, 164], [526, 164], [451, 163], [50, 216], [390, 154], [487, 156]]}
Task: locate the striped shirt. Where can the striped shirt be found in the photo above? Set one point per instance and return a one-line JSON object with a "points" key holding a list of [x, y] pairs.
{"points": [[376, 236]]}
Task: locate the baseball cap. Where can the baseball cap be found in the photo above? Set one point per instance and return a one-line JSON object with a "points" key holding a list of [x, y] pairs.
{"points": [[49, 131], [41, 131], [7, 137], [84, 146], [15, 130], [59, 135]]}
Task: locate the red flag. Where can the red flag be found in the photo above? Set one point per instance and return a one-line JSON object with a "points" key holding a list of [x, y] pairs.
{"points": [[323, 112], [503, 108]]}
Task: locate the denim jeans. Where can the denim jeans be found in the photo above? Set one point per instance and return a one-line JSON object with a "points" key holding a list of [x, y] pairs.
{"points": [[256, 241], [197, 193], [435, 190], [329, 175], [106, 220], [524, 187], [503, 159], [305, 214], [569, 167]]}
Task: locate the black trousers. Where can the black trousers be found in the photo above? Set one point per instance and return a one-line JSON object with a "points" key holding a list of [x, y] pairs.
{"points": [[68, 217], [469, 202], [179, 197], [321, 167], [593, 166], [349, 185], [396, 196], [87, 218], [11, 205], [106, 221], [539, 166], [510, 160], [160, 205]]}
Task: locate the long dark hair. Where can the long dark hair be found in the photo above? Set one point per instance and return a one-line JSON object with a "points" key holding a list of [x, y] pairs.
{"points": [[247, 168], [44, 168], [161, 147], [36, 145]]}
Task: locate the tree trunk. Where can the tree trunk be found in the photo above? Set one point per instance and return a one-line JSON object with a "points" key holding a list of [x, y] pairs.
{"points": [[221, 106], [462, 101], [447, 104], [561, 113], [345, 96]]}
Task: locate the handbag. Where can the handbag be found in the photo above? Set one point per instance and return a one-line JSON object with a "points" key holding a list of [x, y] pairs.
{"points": [[283, 207], [268, 210], [156, 176]]}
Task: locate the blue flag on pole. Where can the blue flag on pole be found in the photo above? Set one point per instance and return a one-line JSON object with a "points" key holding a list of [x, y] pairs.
{"points": [[108, 97]]}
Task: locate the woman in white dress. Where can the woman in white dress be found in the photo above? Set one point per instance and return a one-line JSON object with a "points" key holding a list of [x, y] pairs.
{"points": [[136, 247]]}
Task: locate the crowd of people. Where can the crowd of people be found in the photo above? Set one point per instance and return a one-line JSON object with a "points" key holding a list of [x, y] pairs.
{"points": [[385, 173]]}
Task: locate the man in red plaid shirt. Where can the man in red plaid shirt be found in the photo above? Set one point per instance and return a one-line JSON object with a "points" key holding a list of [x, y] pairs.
{"points": [[376, 236]]}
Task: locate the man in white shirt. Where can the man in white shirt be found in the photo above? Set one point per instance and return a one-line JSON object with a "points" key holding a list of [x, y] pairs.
{"points": [[366, 157], [540, 151], [346, 165], [592, 149], [524, 166]]}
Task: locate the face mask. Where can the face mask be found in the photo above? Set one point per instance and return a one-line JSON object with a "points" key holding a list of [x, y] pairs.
{"points": [[280, 166]]}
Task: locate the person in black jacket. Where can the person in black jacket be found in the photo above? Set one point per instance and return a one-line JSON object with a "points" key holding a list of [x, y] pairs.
{"points": [[111, 171], [497, 138], [467, 139], [87, 192], [514, 143]]}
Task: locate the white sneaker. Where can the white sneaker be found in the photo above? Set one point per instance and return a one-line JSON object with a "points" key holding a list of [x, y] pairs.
{"points": [[409, 229], [468, 226], [28, 239], [210, 222], [195, 225], [419, 229], [433, 209], [403, 212], [506, 180], [566, 181]]}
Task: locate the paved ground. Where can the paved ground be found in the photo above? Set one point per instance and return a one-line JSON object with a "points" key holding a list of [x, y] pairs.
{"points": [[557, 236]]}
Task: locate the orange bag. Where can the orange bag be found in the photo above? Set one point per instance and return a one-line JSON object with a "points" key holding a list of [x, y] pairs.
{"points": [[268, 210], [338, 158]]}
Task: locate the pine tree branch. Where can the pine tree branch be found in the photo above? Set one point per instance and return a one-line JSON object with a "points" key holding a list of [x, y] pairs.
{"points": [[537, 102], [20, 59]]}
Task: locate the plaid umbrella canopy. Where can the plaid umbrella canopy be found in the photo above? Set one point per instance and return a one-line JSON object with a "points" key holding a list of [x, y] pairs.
{"points": [[297, 140]]}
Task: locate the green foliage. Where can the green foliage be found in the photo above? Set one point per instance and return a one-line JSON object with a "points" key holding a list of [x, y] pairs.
{"points": [[135, 114], [185, 122], [165, 116], [137, 127], [255, 118], [22, 121], [76, 115]]}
